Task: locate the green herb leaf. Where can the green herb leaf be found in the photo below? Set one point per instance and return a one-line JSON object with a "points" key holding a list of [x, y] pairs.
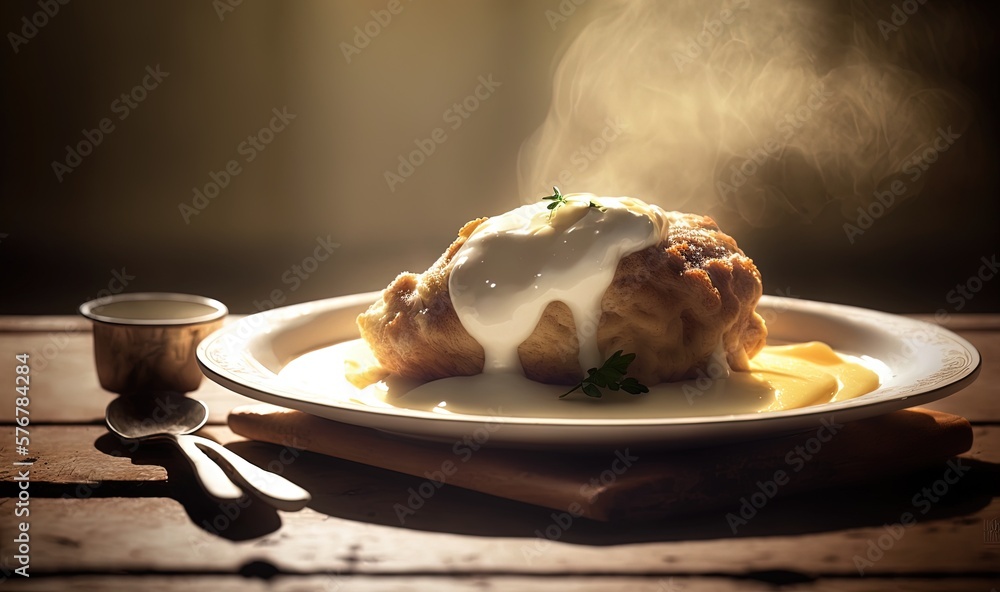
{"points": [[611, 375], [633, 386], [558, 200]]}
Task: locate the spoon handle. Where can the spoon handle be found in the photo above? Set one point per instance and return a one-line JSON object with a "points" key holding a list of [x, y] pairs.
{"points": [[210, 476], [272, 488]]}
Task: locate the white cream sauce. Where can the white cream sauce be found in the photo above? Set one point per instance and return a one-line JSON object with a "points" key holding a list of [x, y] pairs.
{"points": [[517, 263], [505, 275]]}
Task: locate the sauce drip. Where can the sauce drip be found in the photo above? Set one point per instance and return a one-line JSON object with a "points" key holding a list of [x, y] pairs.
{"points": [[515, 264], [502, 279]]}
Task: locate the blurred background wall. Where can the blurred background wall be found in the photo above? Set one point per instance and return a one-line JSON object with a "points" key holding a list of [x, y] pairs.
{"points": [[297, 123]]}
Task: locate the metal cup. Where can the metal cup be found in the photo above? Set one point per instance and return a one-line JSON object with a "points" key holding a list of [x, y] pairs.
{"points": [[146, 341]]}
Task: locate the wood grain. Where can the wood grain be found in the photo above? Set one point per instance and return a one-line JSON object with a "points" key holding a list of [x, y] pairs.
{"points": [[101, 535], [153, 518], [633, 484], [498, 583]]}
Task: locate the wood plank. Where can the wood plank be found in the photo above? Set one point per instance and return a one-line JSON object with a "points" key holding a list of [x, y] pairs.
{"points": [[353, 526], [960, 322], [479, 582], [64, 386], [62, 362], [629, 483], [46, 323], [102, 535], [72, 455]]}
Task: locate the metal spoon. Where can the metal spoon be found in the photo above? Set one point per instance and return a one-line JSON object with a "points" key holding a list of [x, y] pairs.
{"points": [[173, 416]]}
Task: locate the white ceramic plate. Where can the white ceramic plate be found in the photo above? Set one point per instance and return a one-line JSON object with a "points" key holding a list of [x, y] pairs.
{"points": [[925, 363]]}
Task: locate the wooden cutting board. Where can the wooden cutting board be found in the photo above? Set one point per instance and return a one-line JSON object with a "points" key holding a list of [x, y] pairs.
{"points": [[632, 484]]}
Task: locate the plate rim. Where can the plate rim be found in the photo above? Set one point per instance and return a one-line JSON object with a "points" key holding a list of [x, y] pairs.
{"points": [[963, 376]]}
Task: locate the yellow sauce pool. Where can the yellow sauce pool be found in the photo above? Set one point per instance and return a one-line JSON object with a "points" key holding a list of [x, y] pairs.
{"points": [[781, 377]]}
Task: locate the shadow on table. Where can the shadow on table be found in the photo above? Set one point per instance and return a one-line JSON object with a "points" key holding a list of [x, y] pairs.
{"points": [[363, 493], [243, 519], [353, 491]]}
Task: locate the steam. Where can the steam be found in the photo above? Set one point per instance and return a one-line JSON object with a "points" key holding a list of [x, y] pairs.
{"points": [[772, 107]]}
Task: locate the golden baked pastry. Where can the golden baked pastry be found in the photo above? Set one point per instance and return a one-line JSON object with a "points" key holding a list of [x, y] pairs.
{"points": [[674, 304]]}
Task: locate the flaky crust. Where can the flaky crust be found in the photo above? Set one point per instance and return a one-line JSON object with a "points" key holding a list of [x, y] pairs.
{"points": [[671, 304]]}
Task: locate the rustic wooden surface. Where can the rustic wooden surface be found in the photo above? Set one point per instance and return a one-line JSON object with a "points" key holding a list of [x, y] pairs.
{"points": [[106, 515], [652, 484]]}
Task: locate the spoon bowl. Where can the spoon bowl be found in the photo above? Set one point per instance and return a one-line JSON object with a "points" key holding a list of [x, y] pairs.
{"points": [[139, 417]]}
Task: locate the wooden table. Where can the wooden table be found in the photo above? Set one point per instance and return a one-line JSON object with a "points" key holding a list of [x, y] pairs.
{"points": [[106, 516]]}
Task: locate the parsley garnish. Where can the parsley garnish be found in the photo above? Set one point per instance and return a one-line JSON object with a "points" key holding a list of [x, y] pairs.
{"points": [[611, 376], [559, 200]]}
